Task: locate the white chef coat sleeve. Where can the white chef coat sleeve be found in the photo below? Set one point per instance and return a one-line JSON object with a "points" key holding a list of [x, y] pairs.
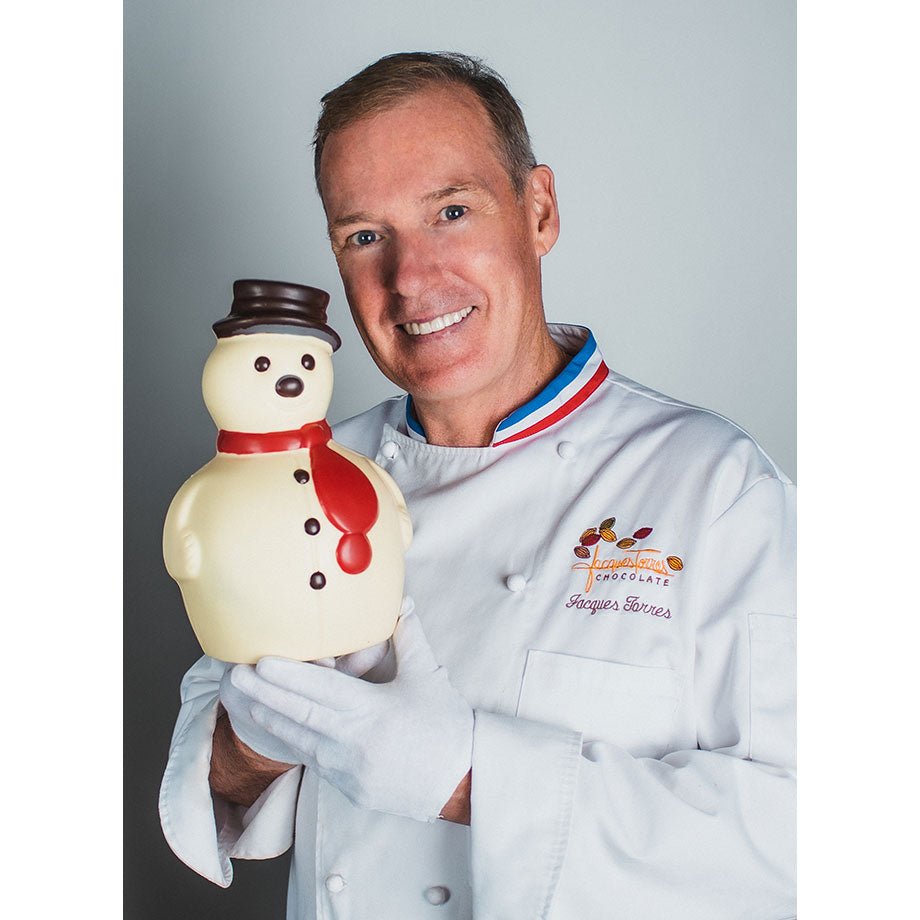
{"points": [[205, 831], [562, 829]]}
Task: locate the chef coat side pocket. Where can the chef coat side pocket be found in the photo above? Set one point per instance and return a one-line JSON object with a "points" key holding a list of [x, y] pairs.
{"points": [[633, 707], [773, 687]]}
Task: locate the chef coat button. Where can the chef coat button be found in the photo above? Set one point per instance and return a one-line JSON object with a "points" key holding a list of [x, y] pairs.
{"points": [[334, 883], [389, 449], [516, 582], [565, 449], [437, 894], [302, 476]]}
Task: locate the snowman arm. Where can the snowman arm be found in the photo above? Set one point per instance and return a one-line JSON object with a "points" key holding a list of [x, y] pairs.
{"points": [[181, 546], [405, 522]]}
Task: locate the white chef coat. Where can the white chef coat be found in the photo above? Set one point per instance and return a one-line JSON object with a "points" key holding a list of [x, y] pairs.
{"points": [[610, 585]]}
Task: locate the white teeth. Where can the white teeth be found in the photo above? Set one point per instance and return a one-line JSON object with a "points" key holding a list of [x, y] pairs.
{"points": [[438, 323]]}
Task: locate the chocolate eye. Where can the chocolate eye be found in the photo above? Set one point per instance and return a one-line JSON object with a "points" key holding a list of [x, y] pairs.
{"points": [[308, 362], [262, 364]]}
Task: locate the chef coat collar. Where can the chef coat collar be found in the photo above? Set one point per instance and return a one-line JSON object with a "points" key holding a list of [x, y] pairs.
{"points": [[581, 376]]}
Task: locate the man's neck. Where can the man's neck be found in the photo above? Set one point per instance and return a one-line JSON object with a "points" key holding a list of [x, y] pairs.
{"points": [[469, 422]]}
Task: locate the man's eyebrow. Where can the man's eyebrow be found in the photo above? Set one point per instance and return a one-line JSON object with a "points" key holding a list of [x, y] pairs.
{"points": [[450, 190], [357, 218]]}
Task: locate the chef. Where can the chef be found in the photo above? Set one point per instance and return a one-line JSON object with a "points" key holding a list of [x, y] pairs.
{"points": [[587, 708]]}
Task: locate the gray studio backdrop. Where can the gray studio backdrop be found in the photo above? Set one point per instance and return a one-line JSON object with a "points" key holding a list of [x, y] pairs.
{"points": [[670, 125]]}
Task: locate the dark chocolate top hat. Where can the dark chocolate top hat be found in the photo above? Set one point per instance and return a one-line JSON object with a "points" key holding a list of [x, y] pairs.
{"points": [[262, 306]]}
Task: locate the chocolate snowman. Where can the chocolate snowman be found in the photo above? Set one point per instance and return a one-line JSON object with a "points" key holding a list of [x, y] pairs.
{"points": [[286, 543]]}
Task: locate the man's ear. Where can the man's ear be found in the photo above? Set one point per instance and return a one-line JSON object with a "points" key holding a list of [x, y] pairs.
{"points": [[541, 195]]}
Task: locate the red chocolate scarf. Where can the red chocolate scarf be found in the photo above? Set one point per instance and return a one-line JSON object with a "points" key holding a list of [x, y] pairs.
{"points": [[345, 494]]}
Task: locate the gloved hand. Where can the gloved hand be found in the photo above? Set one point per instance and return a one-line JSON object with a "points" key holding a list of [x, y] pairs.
{"points": [[238, 703], [238, 706], [360, 662], [401, 747]]}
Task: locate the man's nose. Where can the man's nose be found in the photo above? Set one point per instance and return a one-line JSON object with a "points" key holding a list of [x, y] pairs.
{"points": [[412, 263]]}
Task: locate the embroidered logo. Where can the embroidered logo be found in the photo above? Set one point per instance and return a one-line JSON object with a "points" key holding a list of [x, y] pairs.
{"points": [[645, 563]]}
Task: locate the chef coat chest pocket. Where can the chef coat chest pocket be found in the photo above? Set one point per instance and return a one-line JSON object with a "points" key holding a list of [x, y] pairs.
{"points": [[633, 707]]}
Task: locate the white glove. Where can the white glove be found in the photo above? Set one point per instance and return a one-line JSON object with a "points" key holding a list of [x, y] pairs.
{"points": [[401, 747], [238, 706], [262, 742], [360, 662]]}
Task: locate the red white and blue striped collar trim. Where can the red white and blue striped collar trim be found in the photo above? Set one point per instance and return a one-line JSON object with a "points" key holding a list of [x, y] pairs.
{"points": [[584, 373]]}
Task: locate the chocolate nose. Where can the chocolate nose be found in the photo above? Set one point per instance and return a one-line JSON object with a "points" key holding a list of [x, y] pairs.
{"points": [[289, 386]]}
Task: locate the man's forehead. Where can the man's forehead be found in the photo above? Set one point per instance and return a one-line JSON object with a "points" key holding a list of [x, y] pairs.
{"points": [[442, 128]]}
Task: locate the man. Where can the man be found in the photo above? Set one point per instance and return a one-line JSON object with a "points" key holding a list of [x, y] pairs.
{"points": [[598, 674]]}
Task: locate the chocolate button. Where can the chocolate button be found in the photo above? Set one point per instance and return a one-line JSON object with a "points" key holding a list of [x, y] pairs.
{"points": [[301, 476], [311, 526], [317, 580]]}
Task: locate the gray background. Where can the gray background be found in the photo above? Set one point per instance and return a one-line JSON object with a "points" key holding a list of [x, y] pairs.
{"points": [[670, 125]]}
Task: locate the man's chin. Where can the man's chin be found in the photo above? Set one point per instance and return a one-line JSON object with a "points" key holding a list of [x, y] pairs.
{"points": [[441, 383]]}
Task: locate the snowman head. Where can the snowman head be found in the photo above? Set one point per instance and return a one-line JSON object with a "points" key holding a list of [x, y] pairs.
{"points": [[268, 381]]}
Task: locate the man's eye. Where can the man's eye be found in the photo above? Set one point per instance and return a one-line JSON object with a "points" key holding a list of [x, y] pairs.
{"points": [[364, 238], [453, 211]]}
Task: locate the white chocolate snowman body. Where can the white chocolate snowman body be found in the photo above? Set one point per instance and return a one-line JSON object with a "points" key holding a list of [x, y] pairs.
{"points": [[246, 537]]}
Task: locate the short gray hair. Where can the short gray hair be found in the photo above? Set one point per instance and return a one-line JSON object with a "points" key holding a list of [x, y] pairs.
{"points": [[386, 82]]}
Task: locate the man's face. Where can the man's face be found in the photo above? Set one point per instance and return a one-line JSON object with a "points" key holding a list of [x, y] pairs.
{"points": [[439, 257]]}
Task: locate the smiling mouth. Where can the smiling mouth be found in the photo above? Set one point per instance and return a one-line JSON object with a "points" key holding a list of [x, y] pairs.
{"points": [[437, 324]]}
